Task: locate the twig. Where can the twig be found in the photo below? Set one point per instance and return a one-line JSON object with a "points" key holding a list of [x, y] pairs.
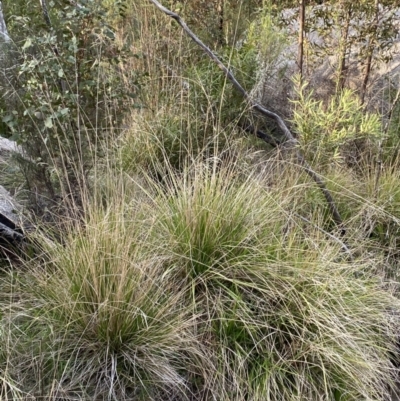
{"points": [[345, 248], [291, 141], [260, 134], [45, 13], [10, 234], [390, 113]]}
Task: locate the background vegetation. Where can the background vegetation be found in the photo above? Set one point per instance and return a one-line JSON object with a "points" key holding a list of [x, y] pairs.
{"points": [[180, 250]]}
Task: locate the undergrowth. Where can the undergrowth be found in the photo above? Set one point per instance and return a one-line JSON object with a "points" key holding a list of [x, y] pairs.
{"points": [[189, 261]]}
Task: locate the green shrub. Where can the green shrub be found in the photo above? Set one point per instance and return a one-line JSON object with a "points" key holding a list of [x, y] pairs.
{"points": [[325, 129], [67, 87]]}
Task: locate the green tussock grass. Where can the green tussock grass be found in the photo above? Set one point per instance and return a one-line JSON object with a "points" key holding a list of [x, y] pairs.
{"points": [[118, 326], [271, 288], [202, 286], [188, 261]]}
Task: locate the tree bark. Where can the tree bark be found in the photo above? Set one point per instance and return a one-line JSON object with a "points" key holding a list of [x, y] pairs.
{"points": [[370, 52], [3, 26], [342, 72], [300, 56]]}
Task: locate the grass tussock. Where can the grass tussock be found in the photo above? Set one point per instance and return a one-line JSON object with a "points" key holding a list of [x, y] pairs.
{"points": [[274, 290], [118, 326], [190, 262], [205, 287]]}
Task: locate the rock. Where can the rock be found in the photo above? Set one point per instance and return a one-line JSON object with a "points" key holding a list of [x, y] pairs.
{"points": [[9, 146], [3, 28], [11, 221]]}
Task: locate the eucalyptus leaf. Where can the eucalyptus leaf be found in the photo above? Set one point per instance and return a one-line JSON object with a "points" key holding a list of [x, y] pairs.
{"points": [[48, 123], [27, 44], [7, 118]]}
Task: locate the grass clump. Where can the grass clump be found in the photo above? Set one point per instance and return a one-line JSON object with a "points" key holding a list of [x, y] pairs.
{"points": [[290, 316], [204, 287], [188, 276], [207, 220], [102, 318]]}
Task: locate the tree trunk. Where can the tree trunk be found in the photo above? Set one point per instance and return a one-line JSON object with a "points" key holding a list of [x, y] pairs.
{"points": [[3, 26], [370, 51], [342, 71], [300, 55], [220, 16]]}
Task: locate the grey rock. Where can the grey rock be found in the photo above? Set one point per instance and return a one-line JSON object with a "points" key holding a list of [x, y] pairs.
{"points": [[11, 221]]}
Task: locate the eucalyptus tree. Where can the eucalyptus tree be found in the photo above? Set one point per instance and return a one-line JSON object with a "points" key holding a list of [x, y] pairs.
{"points": [[3, 26], [61, 101], [357, 35]]}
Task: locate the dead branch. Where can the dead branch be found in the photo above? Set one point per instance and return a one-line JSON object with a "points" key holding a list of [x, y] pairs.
{"points": [[291, 141]]}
